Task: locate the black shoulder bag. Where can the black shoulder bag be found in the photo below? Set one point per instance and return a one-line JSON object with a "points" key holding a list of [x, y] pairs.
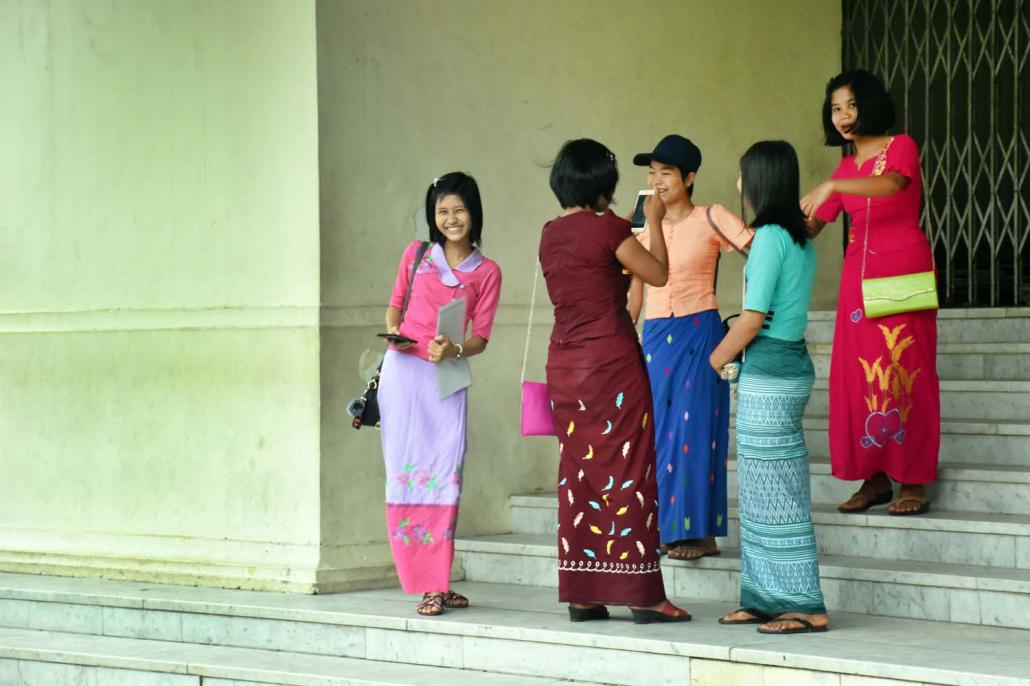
{"points": [[365, 408]]}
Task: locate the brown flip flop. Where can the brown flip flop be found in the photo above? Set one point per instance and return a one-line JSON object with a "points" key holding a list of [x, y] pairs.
{"points": [[924, 506], [878, 499], [757, 617]]}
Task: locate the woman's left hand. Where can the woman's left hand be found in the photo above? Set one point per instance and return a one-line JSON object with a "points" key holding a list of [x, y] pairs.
{"points": [[441, 348], [815, 198]]}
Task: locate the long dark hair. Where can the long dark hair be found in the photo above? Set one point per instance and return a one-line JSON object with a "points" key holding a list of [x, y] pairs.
{"points": [[465, 187], [770, 182]]}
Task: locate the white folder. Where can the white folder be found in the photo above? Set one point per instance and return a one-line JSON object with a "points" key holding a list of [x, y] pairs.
{"points": [[452, 375]]}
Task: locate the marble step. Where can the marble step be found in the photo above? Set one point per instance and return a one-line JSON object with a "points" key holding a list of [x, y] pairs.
{"points": [[988, 489], [970, 441], [964, 538], [958, 361], [985, 400], [509, 630], [51, 658], [974, 325], [989, 596]]}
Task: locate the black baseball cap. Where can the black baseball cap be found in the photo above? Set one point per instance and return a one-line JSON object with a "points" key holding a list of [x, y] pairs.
{"points": [[675, 150]]}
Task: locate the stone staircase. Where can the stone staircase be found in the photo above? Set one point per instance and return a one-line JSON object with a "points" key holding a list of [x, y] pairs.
{"points": [[966, 562], [939, 599]]}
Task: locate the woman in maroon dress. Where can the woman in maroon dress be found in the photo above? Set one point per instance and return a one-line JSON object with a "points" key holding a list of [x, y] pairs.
{"points": [[607, 494]]}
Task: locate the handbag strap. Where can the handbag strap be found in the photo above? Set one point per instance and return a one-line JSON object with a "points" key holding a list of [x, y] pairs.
{"points": [[419, 254], [718, 254], [529, 327], [878, 168], [720, 234]]}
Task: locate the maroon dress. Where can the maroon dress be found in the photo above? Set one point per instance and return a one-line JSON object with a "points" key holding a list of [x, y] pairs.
{"points": [[607, 490]]}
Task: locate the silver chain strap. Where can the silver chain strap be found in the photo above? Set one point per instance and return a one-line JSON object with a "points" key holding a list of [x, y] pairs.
{"points": [[878, 168], [529, 327]]}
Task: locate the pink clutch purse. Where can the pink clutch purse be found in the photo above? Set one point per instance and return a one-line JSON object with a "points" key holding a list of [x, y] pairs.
{"points": [[536, 400], [536, 410]]}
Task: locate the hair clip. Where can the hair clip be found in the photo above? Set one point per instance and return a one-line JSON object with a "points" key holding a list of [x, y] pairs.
{"points": [[435, 181], [611, 156]]}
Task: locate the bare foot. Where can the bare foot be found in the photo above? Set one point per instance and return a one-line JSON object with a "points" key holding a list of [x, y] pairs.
{"points": [[694, 549]]}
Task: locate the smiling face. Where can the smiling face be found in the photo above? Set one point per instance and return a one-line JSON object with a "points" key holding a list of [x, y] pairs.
{"points": [[844, 111], [453, 219], [667, 181]]}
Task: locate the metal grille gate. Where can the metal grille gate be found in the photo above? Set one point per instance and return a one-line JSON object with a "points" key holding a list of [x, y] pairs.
{"points": [[959, 75]]}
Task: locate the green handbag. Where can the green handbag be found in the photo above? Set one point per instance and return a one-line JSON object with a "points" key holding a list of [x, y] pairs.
{"points": [[889, 295], [896, 294]]}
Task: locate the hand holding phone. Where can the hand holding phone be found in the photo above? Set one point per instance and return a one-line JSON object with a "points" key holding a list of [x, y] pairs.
{"points": [[638, 224], [397, 340], [654, 209]]}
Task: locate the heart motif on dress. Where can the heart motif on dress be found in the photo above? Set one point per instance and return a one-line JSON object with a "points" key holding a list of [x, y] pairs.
{"points": [[880, 427]]}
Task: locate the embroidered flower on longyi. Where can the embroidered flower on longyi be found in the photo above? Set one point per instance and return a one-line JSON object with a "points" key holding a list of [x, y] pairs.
{"points": [[890, 391]]}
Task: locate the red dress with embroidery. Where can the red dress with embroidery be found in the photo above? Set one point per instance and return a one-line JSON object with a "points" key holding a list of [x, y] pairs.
{"points": [[884, 394]]}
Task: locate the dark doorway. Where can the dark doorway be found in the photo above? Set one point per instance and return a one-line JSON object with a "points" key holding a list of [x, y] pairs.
{"points": [[959, 72]]}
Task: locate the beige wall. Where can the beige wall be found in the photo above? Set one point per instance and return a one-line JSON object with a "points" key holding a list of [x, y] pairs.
{"points": [[159, 390], [409, 90], [180, 330]]}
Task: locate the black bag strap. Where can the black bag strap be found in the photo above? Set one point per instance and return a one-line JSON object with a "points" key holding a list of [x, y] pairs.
{"points": [[419, 254]]}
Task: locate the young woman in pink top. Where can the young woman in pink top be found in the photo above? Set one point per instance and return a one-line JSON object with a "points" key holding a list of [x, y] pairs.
{"points": [[691, 402], [423, 435], [885, 416]]}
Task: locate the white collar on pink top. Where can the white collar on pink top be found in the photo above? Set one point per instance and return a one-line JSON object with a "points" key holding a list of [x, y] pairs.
{"points": [[447, 277]]}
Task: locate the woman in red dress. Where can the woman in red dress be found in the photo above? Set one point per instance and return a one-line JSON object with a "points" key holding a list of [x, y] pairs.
{"points": [[601, 398], [884, 394]]}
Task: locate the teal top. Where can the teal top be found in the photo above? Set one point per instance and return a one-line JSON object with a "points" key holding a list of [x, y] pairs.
{"points": [[778, 277]]}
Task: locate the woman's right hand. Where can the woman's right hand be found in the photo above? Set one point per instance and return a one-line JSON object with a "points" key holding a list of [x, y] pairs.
{"points": [[815, 198], [654, 210], [396, 330]]}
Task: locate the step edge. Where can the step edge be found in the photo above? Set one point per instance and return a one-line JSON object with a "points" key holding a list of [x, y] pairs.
{"points": [[958, 577]]}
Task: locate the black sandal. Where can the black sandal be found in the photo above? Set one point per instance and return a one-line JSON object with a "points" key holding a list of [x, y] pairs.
{"points": [[656, 617], [806, 627], [585, 614], [757, 617]]}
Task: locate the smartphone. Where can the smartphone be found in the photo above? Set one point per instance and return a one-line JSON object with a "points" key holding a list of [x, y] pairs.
{"points": [[639, 221], [396, 338]]}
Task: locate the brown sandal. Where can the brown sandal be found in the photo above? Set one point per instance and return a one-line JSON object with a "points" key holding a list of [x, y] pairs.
{"points": [[924, 505], [455, 601], [431, 605], [864, 501]]}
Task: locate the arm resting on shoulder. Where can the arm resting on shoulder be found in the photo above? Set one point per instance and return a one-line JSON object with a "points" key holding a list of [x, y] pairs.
{"points": [[815, 226]]}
